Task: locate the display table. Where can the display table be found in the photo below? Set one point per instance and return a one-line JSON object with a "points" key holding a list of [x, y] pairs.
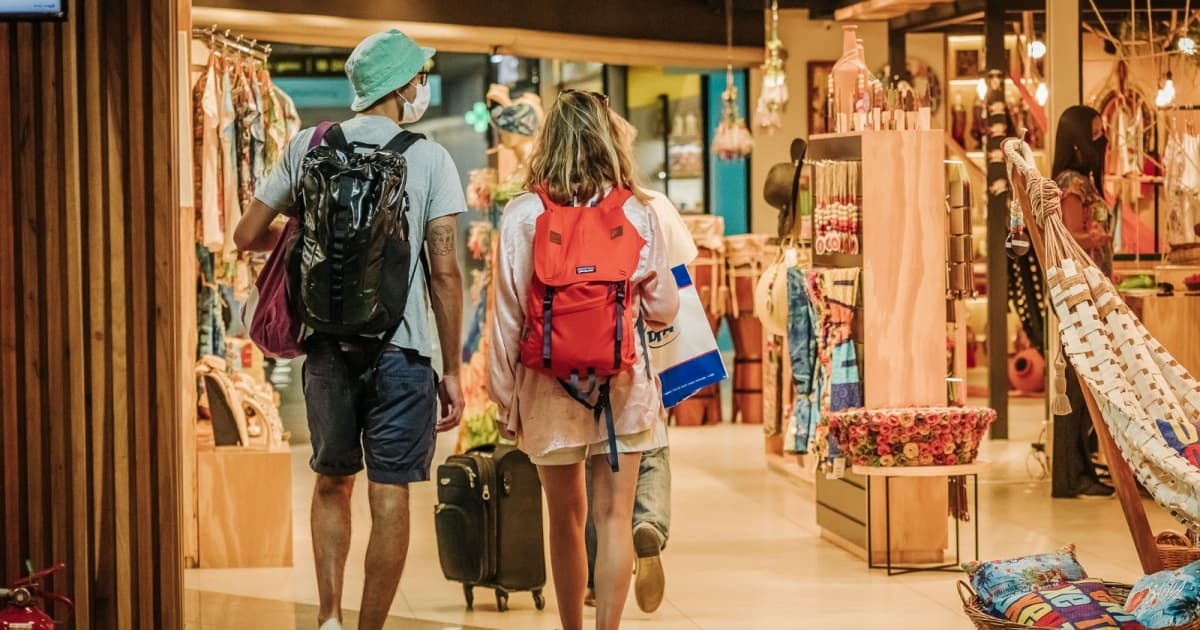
{"points": [[245, 507], [875, 475]]}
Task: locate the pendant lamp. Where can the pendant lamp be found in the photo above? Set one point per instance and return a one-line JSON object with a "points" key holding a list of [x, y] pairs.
{"points": [[773, 97], [732, 140]]}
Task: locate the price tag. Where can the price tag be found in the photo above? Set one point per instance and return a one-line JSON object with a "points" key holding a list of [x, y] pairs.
{"points": [[839, 468]]}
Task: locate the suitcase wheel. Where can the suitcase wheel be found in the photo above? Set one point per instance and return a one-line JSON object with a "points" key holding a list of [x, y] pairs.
{"points": [[539, 600], [469, 593], [501, 601]]}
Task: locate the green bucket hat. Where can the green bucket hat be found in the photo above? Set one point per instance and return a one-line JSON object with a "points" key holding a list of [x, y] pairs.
{"points": [[383, 63]]}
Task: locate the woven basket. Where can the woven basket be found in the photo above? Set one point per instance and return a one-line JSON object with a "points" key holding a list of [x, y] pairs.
{"points": [[1184, 254], [1175, 550], [985, 621]]}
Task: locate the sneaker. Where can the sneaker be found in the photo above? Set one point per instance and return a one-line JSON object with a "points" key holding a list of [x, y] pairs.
{"points": [[1095, 490], [589, 600], [650, 581], [331, 624]]}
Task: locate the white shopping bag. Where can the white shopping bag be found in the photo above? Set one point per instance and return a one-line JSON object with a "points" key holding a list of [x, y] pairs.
{"points": [[685, 354]]}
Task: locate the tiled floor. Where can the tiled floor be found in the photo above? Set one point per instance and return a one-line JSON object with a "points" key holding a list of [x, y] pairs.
{"points": [[744, 552]]}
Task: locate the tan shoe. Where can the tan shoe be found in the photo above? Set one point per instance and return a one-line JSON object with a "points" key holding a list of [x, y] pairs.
{"points": [[589, 600], [650, 582]]}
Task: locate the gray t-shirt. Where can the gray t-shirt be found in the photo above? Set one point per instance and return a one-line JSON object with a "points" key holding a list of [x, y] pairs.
{"points": [[433, 189]]}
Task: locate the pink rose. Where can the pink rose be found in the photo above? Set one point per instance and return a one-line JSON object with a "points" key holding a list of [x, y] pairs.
{"points": [[949, 448], [926, 460], [884, 449]]}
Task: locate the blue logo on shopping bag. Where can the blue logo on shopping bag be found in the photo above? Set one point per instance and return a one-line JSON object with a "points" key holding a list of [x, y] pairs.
{"points": [[661, 338]]}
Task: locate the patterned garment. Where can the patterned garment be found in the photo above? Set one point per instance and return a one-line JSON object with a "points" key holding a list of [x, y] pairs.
{"points": [[1073, 183], [1183, 203], [802, 348], [833, 295], [209, 321], [842, 294], [207, 157], [258, 130], [231, 205], [247, 114]]}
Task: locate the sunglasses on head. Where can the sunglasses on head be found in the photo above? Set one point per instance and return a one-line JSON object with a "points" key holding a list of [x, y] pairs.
{"points": [[603, 98]]}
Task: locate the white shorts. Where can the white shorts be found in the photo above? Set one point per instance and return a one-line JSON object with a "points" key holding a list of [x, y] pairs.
{"points": [[647, 440]]}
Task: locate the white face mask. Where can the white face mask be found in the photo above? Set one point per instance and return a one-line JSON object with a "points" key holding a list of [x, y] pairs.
{"points": [[415, 109]]}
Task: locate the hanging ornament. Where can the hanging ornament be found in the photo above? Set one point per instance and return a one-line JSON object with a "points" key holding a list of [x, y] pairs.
{"points": [[774, 95], [478, 117], [732, 140], [1017, 243]]}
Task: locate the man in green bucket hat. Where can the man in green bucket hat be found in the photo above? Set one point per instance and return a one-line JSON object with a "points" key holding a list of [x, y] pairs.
{"points": [[387, 411]]}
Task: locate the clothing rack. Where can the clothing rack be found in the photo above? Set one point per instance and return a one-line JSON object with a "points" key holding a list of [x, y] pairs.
{"points": [[226, 40]]}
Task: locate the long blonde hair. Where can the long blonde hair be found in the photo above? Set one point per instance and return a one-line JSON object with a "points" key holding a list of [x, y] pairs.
{"points": [[579, 151]]}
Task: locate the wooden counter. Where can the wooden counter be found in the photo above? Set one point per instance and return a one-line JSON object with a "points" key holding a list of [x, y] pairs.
{"points": [[1175, 322]]}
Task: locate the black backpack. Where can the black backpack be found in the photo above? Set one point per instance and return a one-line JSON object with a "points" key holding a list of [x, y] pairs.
{"points": [[349, 265]]}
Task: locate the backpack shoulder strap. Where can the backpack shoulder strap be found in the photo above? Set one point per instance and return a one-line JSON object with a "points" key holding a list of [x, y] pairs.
{"points": [[336, 138], [319, 133], [403, 141]]}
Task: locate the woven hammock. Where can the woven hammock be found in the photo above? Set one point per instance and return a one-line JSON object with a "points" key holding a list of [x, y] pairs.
{"points": [[1148, 401]]}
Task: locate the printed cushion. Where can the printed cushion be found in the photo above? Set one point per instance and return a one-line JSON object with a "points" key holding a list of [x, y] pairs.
{"points": [[1082, 604], [999, 582], [1167, 598]]}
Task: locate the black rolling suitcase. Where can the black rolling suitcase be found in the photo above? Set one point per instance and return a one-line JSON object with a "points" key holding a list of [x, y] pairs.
{"points": [[489, 523]]}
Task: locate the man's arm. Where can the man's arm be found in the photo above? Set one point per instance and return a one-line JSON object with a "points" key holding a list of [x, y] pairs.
{"points": [[258, 231], [446, 290]]}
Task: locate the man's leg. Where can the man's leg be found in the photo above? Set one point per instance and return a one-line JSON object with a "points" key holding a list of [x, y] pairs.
{"points": [[652, 504], [331, 540], [330, 389], [386, 552], [398, 440], [651, 526]]}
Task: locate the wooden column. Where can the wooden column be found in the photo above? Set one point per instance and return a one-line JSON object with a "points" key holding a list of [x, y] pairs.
{"points": [[997, 218], [90, 339]]}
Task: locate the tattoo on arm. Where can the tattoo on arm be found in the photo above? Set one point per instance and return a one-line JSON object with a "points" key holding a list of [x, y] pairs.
{"points": [[441, 240]]}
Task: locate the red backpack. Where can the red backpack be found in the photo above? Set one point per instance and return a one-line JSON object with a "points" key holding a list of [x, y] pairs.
{"points": [[579, 319]]}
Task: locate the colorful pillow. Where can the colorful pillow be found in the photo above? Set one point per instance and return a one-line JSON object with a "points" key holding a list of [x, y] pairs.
{"points": [[1167, 598], [999, 582], [1082, 604]]}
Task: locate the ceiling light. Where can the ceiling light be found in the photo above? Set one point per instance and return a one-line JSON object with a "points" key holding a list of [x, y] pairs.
{"points": [[1166, 94], [1042, 94], [1187, 45], [981, 88], [1037, 49]]}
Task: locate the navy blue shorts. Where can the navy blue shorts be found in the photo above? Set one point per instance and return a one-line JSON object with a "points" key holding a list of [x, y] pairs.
{"points": [[388, 417]]}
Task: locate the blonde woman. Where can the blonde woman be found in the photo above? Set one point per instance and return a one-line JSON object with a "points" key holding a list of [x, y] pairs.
{"points": [[577, 163]]}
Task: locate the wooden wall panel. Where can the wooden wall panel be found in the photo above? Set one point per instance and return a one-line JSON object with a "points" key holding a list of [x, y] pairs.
{"points": [[91, 250]]}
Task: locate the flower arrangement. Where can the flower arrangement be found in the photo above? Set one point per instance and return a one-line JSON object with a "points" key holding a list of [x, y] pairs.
{"points": [[916, 436]]}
